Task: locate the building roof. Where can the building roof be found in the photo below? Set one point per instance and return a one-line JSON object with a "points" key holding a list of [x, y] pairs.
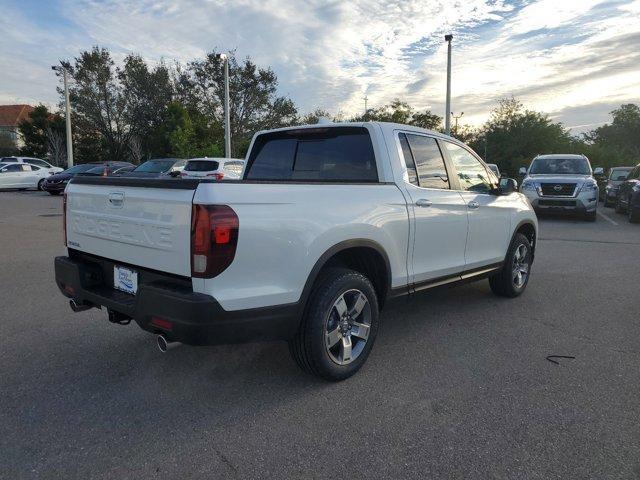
{"points": [[12, 115]]}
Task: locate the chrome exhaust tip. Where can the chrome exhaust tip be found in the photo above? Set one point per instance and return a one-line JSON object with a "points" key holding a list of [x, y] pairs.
{"points": [[164, 344], [78, 307]]}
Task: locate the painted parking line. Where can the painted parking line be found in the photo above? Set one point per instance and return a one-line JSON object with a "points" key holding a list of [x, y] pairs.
{"points": [[610, 220]]}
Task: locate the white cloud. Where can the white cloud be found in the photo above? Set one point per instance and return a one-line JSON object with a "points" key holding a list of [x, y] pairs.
{"points": [[331, 53]]}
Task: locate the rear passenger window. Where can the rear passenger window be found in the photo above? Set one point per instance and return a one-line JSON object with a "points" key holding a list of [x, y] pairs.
{"points": [[432, 172], [408, 159], [317, 154]]}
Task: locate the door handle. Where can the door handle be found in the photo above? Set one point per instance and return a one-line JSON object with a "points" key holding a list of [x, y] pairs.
{"points": [[473, 204], [423, 202]]}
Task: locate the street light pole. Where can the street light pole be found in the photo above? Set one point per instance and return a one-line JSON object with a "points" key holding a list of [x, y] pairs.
{"points": [[455, 127], [67, 108], [447, 121], [227, 116]]}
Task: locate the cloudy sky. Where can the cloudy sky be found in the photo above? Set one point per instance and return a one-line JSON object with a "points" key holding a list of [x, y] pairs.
{"points": [[575, 59]]}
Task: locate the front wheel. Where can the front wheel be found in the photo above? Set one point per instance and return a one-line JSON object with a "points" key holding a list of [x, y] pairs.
{"points": [[514, 276], [339, 326], [590, 216], [40, 183]]}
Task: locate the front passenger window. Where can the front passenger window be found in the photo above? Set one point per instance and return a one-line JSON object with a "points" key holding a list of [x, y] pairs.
{"points": [[472, 175]]}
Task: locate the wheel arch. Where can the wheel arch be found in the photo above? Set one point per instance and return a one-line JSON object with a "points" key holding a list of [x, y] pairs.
{"points": [[528, 229], [363, 255]]}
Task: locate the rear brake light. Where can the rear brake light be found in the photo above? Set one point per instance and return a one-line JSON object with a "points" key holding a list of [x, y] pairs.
{"points": [[217, 176], [64, 217], [161, 323], [214, 237]]}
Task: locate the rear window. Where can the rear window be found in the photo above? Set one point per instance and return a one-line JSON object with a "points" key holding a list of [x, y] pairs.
{"points": [[318, 154], [201, 166], [9, 159]]}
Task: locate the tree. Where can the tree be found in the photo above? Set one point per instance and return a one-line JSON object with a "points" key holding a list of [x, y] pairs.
{"points": [[147, 93], [514, 135], [254, 103], [313, 117], [400, 112], [99, 105], [617, 143], [56, 146], [34, 131]]}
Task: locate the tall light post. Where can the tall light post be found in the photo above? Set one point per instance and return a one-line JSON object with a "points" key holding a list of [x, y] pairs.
{"points": [[227, 116], [447, 121], [67, 108], [366, 99]]}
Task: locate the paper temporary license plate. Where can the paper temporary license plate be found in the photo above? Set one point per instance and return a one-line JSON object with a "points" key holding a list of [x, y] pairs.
{"points": [[125, 279]]}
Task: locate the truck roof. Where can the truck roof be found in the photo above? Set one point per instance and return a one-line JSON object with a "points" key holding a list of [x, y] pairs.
{"points": [[560, 155], [386, 127]]}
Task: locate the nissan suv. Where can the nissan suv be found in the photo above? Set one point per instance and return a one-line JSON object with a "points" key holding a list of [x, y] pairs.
{"points": [[562, 183]]}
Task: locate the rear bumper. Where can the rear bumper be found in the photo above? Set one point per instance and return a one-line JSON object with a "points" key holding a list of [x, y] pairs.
{"points": [[185, 316]]}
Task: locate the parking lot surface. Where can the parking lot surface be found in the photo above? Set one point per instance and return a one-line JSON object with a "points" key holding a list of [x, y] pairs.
{"points": [[457, 386]]}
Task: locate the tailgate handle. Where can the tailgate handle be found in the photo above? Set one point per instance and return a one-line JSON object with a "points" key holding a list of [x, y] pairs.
{"points": [[116, 199]]}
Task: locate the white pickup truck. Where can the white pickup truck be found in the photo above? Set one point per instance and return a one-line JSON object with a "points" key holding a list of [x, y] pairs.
{"points": [[327, 223]]}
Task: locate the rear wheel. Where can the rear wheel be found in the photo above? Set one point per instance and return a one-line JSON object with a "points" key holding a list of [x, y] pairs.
{"points": [[514, 276], [339, 326], [40, 183], [619, 207]]}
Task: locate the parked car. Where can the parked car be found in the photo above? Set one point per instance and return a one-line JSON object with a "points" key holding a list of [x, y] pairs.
{"points": [[22, 176], [38, 162], [218, 168], [494, 168], [610, 184], [562, 183], [628, 199], [56, 184], [157, 167], [327, 224]]}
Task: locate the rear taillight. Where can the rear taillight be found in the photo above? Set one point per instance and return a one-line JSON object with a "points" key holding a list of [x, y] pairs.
{"points": [[64, 217], [217, 176], [105, 172], [214, 237]]}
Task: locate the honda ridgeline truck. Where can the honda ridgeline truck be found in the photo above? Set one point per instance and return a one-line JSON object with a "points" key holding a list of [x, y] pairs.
{"points": [[327, 224]]}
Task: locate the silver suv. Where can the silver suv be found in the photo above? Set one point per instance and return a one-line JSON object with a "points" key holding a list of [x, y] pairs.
{"points": [[562, 183]]}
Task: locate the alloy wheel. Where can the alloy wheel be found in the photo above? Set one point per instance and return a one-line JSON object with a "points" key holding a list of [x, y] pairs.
{"points": [[520, 270], [347, 327]]}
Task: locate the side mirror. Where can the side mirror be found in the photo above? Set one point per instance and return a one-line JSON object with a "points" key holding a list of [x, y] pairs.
{"points": [[598, 171], [522, 171], [507, 186]]}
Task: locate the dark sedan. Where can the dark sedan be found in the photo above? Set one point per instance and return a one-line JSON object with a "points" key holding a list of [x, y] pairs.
{"points": [[628, 199], [55, 184]]}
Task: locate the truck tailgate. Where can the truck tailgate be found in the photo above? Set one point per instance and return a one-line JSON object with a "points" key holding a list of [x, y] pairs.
{"points": [[144, 224]]}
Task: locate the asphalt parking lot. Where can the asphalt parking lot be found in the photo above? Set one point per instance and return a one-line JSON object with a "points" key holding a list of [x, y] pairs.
{"points": [[457, 386]]}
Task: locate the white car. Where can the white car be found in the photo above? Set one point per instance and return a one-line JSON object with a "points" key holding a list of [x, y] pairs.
{"points": [[22, 176], [38, 162], [327, 224], [218, 168]]}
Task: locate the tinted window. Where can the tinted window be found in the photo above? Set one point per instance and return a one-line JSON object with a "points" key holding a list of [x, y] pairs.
{"points": [[471, 173], [99, 170], [429, 163], [32, 167], [38, 162], [9, 159], [323, 154], [201, 166], [408, 159], [13, 168], [155, 166], [560, 166], [618, 174], [79, 168]]}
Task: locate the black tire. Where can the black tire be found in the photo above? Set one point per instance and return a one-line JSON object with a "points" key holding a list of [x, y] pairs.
{"points": [[633, 213], [607, 203], [504, 283], [308, 347], [54, 193], [40, 183], [619, 207], [590, 216]]}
